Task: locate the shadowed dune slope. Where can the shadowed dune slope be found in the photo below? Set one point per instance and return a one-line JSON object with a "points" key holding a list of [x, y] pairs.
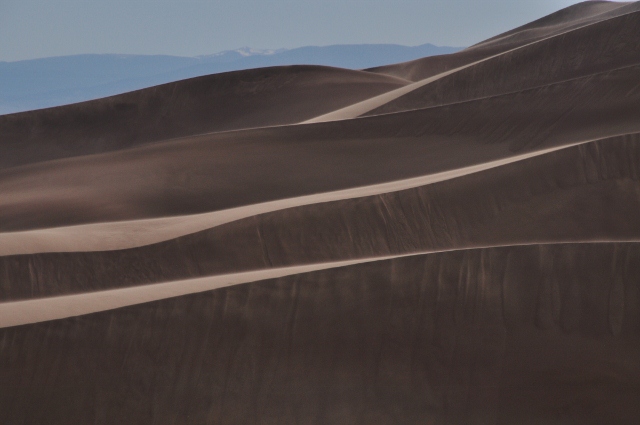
{"points": [[583, 193], [224, 170], [502, 336], [468, 255], [227, 101], [569, 17], [564, 20], [597, 48]]}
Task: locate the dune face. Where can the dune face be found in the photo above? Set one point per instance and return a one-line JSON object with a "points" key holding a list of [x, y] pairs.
{"points": [[219, 102], [201, 173], [452, 240], [83, 77], [602, 46], [586, 193], [507, 335], [562, 21]]}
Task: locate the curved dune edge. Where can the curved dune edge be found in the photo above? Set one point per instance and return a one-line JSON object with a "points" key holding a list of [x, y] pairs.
{"points": [[615, 5], [16, 313], [368, 105], [135, 233], [223, 102]]}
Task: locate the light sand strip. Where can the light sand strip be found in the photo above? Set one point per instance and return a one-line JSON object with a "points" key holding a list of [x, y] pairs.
{"points": [[16, 313], [360, 108], [135, 233]]}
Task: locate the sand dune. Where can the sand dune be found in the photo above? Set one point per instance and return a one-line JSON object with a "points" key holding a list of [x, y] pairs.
{"points": [[134, 233], [587, 192], [16, 313], [619, 48], [570, 17], [453, 240], [502, 335], [225, 170], [616, 49], [228, 101], [564, 20]]}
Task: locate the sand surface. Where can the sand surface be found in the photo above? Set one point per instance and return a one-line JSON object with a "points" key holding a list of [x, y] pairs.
{"points": [[483, 335], [135, 233], [219, 171], [585, 192], [16, 313], [452, 240], [615, 49], [571, 17], [220, 102]]}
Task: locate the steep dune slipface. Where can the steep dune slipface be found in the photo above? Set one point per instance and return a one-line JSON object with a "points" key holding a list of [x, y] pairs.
{"points": [[589, 192], [502, 336], [473, 261]]}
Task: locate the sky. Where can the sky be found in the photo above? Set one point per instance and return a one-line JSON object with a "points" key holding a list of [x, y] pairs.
{"points": [[42, 28]]}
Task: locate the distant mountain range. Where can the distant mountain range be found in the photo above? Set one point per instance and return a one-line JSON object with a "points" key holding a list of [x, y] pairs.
{"points": [[42, 83]]}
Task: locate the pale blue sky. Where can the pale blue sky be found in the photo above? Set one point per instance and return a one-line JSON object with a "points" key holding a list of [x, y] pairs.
{"points": [[41, 28]]}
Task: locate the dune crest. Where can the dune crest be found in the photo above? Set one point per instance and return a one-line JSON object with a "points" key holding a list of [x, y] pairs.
{"points": [[452, 240], [135, 233]]}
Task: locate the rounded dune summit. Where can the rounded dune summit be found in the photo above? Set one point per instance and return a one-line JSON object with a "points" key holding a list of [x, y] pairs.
{"points": [[220, 102]]}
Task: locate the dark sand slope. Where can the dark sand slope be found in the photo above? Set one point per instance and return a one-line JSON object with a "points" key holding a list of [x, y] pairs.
{"points": [[571, 17], [243, 99], [114, 235], [472, 259], [564, 20], [560, 67], [539, 334], [585, 193], [597, 48], [225, 170]]}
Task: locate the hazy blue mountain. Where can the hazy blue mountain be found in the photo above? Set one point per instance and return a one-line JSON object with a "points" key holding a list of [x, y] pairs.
{"points": [[41, 83]]}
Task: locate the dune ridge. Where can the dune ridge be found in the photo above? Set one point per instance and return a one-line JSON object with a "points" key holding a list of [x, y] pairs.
{"points": [[200, 173], [585, 192], [427, 67], [219, 102], [22, 312], [454, 241], [500, 335], [135, 233], [369, 105], [617, 48]]}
